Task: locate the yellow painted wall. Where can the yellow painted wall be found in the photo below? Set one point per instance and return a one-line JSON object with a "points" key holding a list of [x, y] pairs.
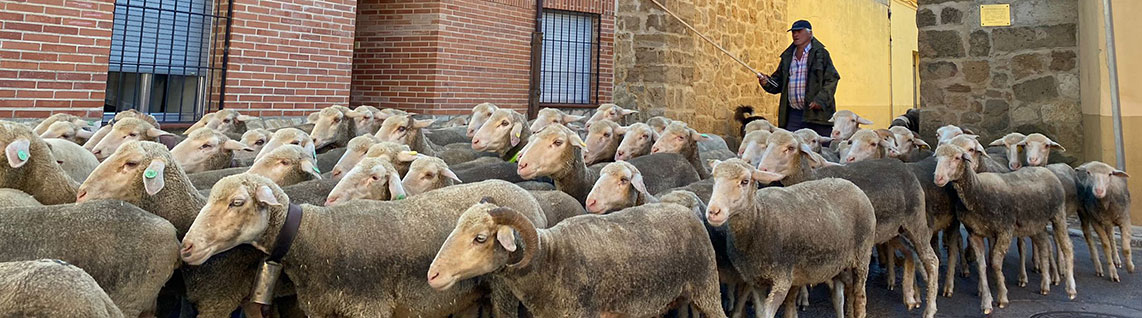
{"points": [[1095, 88], [857, 33]]}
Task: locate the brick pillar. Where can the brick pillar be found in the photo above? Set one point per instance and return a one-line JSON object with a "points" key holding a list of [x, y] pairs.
{"points": [[53, 57]]}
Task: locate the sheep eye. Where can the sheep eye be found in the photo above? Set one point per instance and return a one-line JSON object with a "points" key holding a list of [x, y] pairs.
{"points": [[504, 123], [428, 176], [336, 120], [557, 143], [259, 142], [131, 164], [375, 178], [481, 238], [554, 121], [227, 121], [680, 138], [132, 135], [643, 137], [745, 182], [623, 180], [205, 146], [285, 163], [237, 203], [606, 135], [401, 129]]}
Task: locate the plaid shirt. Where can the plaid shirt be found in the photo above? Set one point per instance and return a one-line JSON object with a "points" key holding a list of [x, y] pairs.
{"points": [[798, 72]]}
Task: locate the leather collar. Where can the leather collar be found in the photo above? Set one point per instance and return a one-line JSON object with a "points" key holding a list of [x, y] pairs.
{"points": [[287, 234]]}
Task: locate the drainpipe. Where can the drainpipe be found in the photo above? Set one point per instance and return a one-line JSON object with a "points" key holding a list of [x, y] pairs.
{"points": [[536, 62], [1112, 67]]}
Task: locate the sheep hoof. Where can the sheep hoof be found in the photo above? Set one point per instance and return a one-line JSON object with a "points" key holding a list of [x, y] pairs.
{"points": [[1022, 283], [1114, 278], [987, 311], [1044, 291], [948, 293], [1071, 295], [1003, 304], [1098, 273]]}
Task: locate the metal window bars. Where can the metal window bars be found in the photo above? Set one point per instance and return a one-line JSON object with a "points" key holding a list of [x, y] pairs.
{"points": [[570, 71]]}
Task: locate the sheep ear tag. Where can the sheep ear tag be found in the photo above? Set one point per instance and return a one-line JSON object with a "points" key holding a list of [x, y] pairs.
{"points": [[23, 155], [153, 181]]}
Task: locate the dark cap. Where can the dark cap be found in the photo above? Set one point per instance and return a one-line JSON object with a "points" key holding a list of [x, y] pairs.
{"points": [[801, 24]]}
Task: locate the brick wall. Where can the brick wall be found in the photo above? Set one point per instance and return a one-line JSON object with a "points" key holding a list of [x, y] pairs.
{"points": [[53, 57], [288, 57], [444, 57]]}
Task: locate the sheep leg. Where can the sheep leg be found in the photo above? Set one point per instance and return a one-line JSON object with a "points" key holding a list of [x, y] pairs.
{"points": [[998, 251], [803, 298], [1124, 227], [953, 242], [1066, 250], [1105, 233], [919, 233], [1019, 243], [908, 289], [790, 303], [981, 270], [1042, 246], [777, 293], [1088, 233], [888, 262], [706, 299], [857, 297], [1053, 261], [743, 293], [838, 289]]}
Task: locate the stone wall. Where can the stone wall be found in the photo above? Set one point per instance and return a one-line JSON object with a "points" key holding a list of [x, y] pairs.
{"points": [[996, 80], [661, 68]]}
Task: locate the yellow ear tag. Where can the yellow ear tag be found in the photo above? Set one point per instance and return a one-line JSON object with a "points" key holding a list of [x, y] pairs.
{"points": [[412, 153]]}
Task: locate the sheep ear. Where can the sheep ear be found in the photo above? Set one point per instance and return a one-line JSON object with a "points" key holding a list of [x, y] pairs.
{"points": [[396, 189], [422, 123], [506, 237], [573, 118], [83, 133], [574, 139], [517, 129], [1119, 173], [310, 167], [266, 195], [246, 118], [921, 143], [697, 136], [765, 177], [407, 156], [155, 133], [1058, 146], [354, 114], [863, 121], [626, 111], [153, 180], [968, 131], [997, 142], [451, 175], [714, 164], [620, 130], [831, 119], [235, 145], [636, 181], [18, 152], [806, 149], [312, 118], [824, 139]]}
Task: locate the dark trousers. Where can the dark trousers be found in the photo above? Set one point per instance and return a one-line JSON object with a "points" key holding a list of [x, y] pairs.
{"points": [[796, 122]]}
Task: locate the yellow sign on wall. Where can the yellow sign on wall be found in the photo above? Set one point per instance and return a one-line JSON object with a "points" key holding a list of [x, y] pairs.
{"points": [[995, 15]]}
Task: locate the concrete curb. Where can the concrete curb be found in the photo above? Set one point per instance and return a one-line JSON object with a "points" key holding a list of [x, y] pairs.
{"points": [[1135, 241]]}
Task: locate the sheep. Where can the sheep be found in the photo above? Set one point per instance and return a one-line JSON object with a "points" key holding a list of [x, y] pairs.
{"points": [[548, 116], [610, 111], [75, 161], [131, 271], [661, 260], [206, 149], [366, 275], [427, 173], [354, 151], [32, 167], [69, 131], [619, 186], [658, 123], [125, 130], [333, 128], [760, 124], [404, 129], [372, 178], [981, 161], [255, 139], [909, 146], [480, 114], [867, 144], [772, 223], [910, 120], [44, 126], [997, 206], [753, 146], [287, 165], [398, 154], [228, 121], [603, 140], [1105, 200], [285, 136], [680, 139], [896, 195], [637, 141], [945, 133], [105, 129], [1038, 148], [16, 198], [811, 138], [51, 288], [504, 133], [555, 153], [366, 120], [1010, 144], [846, 123]]}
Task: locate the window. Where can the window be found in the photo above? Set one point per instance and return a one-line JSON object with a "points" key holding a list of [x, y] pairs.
{"points": [[570, 58], [161, 58]]}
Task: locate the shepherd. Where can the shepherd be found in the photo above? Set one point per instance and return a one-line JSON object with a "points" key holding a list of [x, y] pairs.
{"points": [[806, 80]]}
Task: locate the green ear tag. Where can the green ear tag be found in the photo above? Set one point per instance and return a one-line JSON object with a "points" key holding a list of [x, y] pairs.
{"points": [[705, 136], [400, 197], [150, 174], [318, 171], [23, 155]]}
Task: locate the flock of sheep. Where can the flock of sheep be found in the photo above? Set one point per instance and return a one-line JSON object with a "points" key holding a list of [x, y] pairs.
{"points": [[374, 213]]}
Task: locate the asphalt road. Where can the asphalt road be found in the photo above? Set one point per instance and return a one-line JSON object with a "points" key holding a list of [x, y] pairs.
{"points": [[1098, 297]]}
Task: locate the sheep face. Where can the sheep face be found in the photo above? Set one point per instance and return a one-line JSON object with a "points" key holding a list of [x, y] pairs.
{"points": [[677, 138], [397, 154], [402, 129], [610, 112], [256, 139], [753, 146], [1011, 147], [951, 162], [237, 212], [906, 140], [658, 123], [371, 179], [617, 188], [867, 144], [602, 141], [549, 116], [287, 165], [478, 245], [55, 118], [946, 133], [137, 168], [68, 131], [285, 136], [228, 120], [205, 149], [480, 115], [1099, 176], [972, 146], [811, 138], [759, 124], [427, 174], [783, 154], [1038, 149], [125, 130], [845, 124], [500, 133], [637, 142], [365, 120], [549, 152], [735, 182], [355, 150], [328, 126]]}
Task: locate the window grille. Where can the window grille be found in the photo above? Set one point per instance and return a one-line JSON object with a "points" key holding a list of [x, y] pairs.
{"points": [[570, 73]]}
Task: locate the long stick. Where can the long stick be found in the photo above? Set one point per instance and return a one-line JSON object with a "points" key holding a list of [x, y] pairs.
{"points": [[751, 69], [1112, 69]]}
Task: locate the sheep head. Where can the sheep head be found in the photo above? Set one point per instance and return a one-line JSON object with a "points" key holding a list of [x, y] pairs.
{"points": [[402, 129], [138, 168], [1011, 146], [677, 138], [946, 133], [371, 179], [239, 210], [952, 162], [206, 149], [637, 142], [610, 112], [504, 130], [333, 125], [735, 183], [603, 140], [68, 131], [426, 174], [549, 116], [1038, 148], [287, 165], [550, 152], [125, 130], [285, 136], [480, 115], [971, 145], [658, 123], [399, 155], [256, 139], [753, 146], [846, 123], [228, 121], [482, 242], [867, 144], [365, 120], [1099, 176], [759, 124], [354, 151], [618, 187], [906, 140], [811, 138]]}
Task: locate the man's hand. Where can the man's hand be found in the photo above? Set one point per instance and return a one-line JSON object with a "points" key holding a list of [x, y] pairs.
{"points": [[814, 106], [762, 79]]}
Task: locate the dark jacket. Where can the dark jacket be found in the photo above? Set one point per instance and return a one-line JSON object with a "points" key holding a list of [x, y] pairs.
{"points": [[820, 86]]}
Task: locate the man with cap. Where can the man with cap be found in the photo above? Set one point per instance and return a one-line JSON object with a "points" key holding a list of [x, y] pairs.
{"points": [[806, 80]]}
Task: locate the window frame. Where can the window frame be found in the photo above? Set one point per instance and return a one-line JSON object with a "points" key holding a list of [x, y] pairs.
{"points": [[596, 53]]}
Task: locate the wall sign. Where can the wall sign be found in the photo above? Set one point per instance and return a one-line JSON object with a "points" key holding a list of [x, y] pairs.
{"points": [[995, 15]]}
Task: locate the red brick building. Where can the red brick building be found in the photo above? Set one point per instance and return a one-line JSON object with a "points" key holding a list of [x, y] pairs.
{"points": [[181, 58]]}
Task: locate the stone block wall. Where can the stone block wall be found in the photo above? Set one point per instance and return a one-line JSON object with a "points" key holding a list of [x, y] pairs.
{"points": [[661, 68], [996, 80]]}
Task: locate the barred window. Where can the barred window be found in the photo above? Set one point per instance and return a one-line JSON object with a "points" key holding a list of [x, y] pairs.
{"points": [[570, 58]]}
